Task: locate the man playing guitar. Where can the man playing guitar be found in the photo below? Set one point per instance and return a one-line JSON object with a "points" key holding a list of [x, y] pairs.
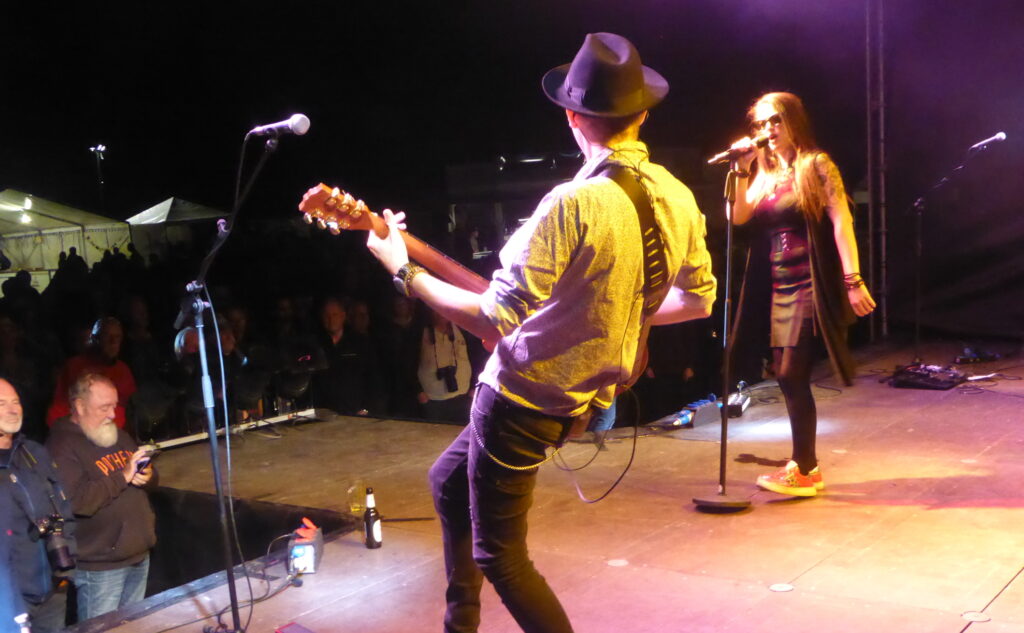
{"points": [[566, 313]]}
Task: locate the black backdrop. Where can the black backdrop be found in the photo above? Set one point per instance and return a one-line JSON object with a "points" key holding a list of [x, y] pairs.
{"points": [[396, 91]]}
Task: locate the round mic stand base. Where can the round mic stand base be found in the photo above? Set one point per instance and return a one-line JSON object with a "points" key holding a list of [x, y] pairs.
{"points": [[721, 503]]}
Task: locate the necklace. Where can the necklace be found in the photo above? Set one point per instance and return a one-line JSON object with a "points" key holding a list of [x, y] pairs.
{"points": [[782, 177]]}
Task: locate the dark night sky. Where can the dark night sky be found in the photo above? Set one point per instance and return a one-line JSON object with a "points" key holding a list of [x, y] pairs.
{"points": [[397, 90]]}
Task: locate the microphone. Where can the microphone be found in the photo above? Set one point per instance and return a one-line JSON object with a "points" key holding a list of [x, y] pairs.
{"points": [[297, 124], [732, 154], [1001, 136]]}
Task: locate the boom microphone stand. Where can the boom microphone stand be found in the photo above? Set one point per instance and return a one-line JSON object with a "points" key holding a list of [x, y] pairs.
{"points": [[919, 207], [193, 306], [723, 502]]}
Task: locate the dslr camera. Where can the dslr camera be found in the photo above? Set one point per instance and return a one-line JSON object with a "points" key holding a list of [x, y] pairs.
{"points": [[447, 374], [58, 548]]}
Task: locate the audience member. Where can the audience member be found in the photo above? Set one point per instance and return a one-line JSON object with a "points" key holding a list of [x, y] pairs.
{"points": [[237, 318], [20, 286], [350, 385], [444, 373], [41, 523], [359, 317], [400, 352], [104, 472], [26, 368], [101, 357], [146, 358]]}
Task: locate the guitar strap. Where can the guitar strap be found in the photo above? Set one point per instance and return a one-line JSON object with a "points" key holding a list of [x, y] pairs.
{"points": [[655, 266], [655, 274]]}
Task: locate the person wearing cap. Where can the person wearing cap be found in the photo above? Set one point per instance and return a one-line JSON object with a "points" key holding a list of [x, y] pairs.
{"points": [[566, 313]]}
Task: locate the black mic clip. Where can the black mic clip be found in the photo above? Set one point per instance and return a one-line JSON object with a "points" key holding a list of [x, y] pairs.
{"points": [[191, 304]]}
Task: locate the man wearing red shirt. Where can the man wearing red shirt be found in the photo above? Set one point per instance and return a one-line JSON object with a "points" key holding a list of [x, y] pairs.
{"points": [[101, 357]]}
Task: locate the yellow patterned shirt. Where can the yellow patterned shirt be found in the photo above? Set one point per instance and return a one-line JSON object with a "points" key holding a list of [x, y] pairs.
{"points": [[568, 297]]}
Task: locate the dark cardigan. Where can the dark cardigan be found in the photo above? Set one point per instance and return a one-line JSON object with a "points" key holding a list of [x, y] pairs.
{"points": [[832, 311]]}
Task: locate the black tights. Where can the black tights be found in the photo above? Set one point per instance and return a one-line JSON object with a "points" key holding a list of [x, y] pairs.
{"points": [[793, 371]]}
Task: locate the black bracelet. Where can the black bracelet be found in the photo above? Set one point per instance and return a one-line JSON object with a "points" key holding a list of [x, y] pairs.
{"points": [[741, 174]]}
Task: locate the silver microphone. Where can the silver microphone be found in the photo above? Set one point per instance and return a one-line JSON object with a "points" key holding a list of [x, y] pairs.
{"points": [[732, 154], [1001, 136], [297, 124]]}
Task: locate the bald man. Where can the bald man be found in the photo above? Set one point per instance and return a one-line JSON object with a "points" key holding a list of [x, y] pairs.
{"points": [[40, 516]]}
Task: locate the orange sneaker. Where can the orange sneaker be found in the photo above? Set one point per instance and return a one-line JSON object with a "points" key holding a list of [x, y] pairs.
{"points": [[788, 480], [815, 476]]}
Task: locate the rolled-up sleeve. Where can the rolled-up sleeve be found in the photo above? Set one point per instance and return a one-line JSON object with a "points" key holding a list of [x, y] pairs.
{"points": [[695, 278], [532, 262]]}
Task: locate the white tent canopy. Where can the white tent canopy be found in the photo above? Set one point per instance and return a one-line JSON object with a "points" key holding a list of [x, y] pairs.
{"points": [[34, 231], [174, 210], [169, 222]]}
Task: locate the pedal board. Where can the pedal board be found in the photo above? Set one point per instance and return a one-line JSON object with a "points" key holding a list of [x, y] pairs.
{"points": [[694, 414], [927, 377]]}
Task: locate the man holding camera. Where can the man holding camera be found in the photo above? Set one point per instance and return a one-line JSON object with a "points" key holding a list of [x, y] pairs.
{"points": [[444, 371], [41, 542], [105, 472]]}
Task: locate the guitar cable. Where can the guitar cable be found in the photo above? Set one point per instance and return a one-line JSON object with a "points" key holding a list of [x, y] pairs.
{"points": [[632, 455]]}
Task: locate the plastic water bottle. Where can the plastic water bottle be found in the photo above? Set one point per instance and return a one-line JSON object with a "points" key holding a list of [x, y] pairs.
{"points": [[371, 522]]}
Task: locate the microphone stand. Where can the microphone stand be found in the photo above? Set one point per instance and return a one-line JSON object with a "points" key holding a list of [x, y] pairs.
{"points": [[193, 305], [920, 206], [722, 502]]}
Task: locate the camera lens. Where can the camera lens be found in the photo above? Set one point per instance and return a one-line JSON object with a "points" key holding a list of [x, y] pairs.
{"points": [[59, 553]]}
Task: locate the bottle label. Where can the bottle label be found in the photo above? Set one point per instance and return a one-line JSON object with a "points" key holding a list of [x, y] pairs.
{"points": [[377, 536]]}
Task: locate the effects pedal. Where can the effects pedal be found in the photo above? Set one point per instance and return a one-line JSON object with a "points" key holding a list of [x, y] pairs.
{"points": [[739, 402], [927, 377]]}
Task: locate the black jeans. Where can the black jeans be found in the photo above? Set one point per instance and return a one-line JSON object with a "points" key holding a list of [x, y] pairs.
{"points": [[483, 509]]}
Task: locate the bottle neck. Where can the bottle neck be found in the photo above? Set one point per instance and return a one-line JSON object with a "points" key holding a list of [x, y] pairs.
{"points": [[370, 503]]}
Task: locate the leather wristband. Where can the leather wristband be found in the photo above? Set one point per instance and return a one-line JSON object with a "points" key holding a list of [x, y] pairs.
{"points": [[403, 278]]}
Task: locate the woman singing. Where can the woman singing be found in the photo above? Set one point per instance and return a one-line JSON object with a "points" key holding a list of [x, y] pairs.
{"points": [[808, 253]]}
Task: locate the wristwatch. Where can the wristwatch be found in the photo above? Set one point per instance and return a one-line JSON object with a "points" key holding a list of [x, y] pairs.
{"points": [[404, 277]]}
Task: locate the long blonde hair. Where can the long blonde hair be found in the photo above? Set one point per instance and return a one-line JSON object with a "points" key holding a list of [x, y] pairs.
{"points": [[808, 185]]}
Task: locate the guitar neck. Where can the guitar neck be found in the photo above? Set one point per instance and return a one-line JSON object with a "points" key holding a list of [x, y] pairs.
{"points": [[434, 260]]}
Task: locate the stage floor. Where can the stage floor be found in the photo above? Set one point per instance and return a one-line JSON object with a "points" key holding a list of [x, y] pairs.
{"points": [[922, 520]]}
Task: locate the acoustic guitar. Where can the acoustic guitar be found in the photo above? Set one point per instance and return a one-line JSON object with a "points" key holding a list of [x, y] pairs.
{"points": [[335, 210]]}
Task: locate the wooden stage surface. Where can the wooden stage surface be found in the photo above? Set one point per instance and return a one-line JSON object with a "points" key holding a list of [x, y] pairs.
{"points": [[922, 521]]}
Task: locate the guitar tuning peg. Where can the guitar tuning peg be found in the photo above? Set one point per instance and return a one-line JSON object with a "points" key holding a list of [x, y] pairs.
{"points": [[333, 228], [345, 223], [360, 208], [307, 218], [348, 200], [335, 193], [320, 224]]}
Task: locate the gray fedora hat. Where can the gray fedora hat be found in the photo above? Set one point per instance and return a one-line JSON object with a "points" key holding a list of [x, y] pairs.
{"points": [[606, 79]]}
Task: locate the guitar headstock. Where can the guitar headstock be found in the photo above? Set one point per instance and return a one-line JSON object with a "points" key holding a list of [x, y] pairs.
{"points": [[335, 210]]}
